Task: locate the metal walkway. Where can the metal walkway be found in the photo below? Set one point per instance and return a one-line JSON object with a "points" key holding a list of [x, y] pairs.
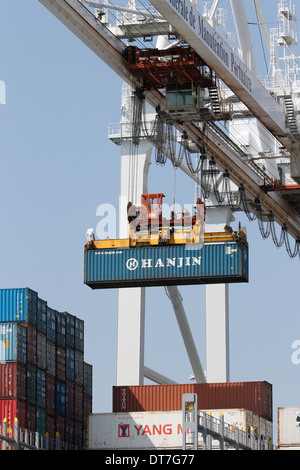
{"points": [[212, 430]]}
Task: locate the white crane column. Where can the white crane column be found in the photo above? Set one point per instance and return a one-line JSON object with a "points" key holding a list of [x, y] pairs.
{"points": [[135, 163], [131, 301], [217, 308]]}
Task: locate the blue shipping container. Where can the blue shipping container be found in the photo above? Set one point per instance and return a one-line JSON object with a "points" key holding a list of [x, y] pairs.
{"points": [[79, 334], [70, 364], [70, 330], [18, 305], [41, 388], [166, 265], [13, 343], [41, 316], [61, 328]]}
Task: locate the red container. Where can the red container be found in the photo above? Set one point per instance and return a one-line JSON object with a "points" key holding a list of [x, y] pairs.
{"points": [[41, 351], [87, 409], [50, 426], [60, 426], [31, 417], [50, 395], [61, 363], [69, 432], [78, 402], [78, 435], [50, 431], [11, 410], [251, 396], [12, 381]]}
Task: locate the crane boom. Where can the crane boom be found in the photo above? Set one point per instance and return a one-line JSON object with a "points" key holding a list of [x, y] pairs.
{"points": [[197, 32]]}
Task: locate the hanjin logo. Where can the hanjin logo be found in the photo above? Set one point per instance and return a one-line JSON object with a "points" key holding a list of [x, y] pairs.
{"points": [[132, 264]]}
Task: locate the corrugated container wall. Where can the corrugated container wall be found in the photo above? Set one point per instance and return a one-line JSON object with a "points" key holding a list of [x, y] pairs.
{"points": [[31, 344], [13, 343], [288, 428], [41, 316], [18, 305], [41, 351], [70, 330], [166, 265], [12, 409], [51, 324], [79, 334], [61, 328], [13, 381], [162, 430], [252, 396]]}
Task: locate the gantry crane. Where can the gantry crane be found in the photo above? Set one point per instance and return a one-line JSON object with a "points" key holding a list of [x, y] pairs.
{"points": [[210, 59]]}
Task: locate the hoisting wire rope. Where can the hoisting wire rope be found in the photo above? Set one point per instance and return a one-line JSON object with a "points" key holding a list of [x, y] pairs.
{"points": [[283, 239], [210, 181]]}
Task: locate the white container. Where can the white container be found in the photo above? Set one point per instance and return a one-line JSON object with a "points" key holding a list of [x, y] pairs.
{"points": [[159, 430], [145, 430], [288, 428]]}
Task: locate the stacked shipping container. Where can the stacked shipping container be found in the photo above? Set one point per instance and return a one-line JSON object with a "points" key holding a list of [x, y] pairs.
{"points": [[44, 381], [252, 396]]}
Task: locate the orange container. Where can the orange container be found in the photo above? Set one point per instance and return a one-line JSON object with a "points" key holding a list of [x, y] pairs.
{"points": [[251, 396]]}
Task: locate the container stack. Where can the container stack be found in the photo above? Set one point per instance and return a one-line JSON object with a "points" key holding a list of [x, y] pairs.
{"points": [[44, 381], [256, 397]]}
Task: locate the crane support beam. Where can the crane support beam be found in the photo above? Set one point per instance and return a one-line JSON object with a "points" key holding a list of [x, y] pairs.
{"points": [[176, 300], [156, 377], [187, 21]]}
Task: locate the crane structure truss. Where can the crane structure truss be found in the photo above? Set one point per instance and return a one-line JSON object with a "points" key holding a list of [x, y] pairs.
{"points": [[98, 37]]}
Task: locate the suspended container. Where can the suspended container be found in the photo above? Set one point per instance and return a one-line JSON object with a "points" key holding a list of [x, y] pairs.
{"points": [[166, 265], [18, 305]]}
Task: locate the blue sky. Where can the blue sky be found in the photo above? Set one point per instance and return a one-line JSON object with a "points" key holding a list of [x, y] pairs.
{"points": [[58, 165]]}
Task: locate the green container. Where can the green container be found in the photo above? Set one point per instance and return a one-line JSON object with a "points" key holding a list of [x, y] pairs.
{"points": [[41, 421]]}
